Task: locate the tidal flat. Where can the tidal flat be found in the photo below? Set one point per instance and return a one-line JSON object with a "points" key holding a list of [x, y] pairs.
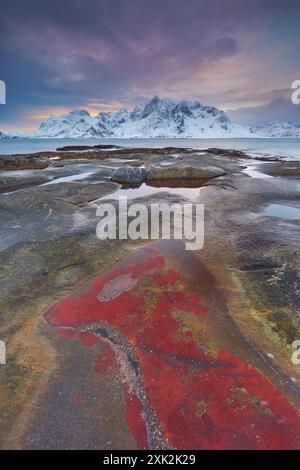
{"points": [[124, 344]]}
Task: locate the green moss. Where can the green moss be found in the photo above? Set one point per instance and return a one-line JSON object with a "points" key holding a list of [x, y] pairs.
{"points": [[284, 326]]}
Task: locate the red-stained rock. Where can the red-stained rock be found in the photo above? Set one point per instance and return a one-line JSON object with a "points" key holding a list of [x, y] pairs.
{"points": [[194, 399]]}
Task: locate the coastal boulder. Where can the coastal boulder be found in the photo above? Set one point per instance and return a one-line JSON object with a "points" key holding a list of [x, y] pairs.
{"points": [[128, 175], [183, 172]]}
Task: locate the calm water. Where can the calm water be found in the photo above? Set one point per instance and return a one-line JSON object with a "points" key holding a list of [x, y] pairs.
{"points": [[283, 211], [286, 148]]}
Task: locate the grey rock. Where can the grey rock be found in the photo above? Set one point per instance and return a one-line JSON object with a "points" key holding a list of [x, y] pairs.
{"points": [[184, 172], [128, 174]]}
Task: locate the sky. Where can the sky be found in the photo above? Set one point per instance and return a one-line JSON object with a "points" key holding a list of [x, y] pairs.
{"points": [[102, 55]]}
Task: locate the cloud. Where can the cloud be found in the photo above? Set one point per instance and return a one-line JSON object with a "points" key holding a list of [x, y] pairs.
{"points": [[280, 109], [69, 53]]}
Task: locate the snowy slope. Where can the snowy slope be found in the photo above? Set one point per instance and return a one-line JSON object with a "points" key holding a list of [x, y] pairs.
{"points": [[163, 118], [78, 123], [276, 129], [14, 134]]}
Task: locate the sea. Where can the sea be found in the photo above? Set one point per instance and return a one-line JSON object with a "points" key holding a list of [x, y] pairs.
{"points": [[287, 149]]}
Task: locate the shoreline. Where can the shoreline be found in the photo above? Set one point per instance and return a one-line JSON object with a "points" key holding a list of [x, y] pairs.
{"points": [[285, 148]]}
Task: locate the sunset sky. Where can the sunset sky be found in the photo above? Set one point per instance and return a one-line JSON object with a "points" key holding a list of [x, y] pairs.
{"points": [[59, 55]]}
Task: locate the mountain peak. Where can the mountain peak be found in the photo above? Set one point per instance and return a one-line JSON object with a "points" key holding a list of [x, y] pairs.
{"points": [[157, 104], [155, 99], [79, 112], [151, 106]]}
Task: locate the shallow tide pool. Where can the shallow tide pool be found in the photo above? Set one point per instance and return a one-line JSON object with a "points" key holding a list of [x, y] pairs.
{"points": [[282, 211]]}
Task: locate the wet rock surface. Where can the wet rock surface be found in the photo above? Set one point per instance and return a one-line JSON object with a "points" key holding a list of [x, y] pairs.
{"points": [[113, 345]]}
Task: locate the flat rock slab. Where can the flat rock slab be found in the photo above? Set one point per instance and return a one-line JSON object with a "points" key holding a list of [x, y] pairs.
{"points": [[10, 183]]}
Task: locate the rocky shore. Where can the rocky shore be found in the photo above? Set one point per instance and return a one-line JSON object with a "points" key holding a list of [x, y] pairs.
{"points": [[192, 349]]}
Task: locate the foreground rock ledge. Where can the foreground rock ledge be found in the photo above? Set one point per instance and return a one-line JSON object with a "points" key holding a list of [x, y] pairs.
{"points": [[160, 348]]}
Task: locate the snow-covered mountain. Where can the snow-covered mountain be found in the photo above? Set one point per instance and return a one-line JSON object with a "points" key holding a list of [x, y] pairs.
{"points": [[276, 129], [77, 123], [14, 134], [159, 118]]}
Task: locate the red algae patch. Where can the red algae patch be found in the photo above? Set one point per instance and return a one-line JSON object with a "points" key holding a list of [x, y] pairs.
{"points": [[177, 394]]}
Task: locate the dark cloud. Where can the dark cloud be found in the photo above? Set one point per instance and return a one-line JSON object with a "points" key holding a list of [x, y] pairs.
{"points": [[278, 110], [70, 53]]}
